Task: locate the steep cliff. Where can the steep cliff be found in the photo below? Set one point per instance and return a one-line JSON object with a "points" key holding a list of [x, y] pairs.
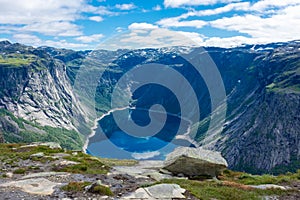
{"points": [[262, 134], [36, 88]]}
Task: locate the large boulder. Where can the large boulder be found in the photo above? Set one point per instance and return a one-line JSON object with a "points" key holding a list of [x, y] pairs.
{"points": [[195, 162]]}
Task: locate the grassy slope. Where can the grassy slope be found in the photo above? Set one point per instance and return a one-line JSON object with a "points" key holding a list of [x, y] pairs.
{"points": [[16, 60], [68, 139], [235, 185]]}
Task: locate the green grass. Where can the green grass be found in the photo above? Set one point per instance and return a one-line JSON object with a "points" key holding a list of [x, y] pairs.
{"points": [[80, 187], [87, 165], [102, 190], [11, 153], [20, 171], [248, 179], [75, 186], [116, 162], [16, 60], [207, 190], [69, 139]]}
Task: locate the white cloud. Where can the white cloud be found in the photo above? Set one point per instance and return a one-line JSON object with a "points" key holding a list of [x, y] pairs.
{"points": [[36, 41], [90, 38], [59, 28], [129, 6], [136, 26], [100, 10], [269, 4], [244, 6], [196, 37], [174, 22], [27, 39], [35, 11], [177, 21], [96, 18], [139, 38], [65, 44], [282, 26], [229, 42], [145, 155], [180, 3], [50, 17], [120, 29], [157, 8]]}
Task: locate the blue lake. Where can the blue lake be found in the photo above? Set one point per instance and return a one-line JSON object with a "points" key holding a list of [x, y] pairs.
{"points": [[129, 147], [114, 143]]}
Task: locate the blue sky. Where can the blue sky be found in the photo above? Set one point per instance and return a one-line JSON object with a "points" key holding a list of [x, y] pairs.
{"points": [[83, 24]]}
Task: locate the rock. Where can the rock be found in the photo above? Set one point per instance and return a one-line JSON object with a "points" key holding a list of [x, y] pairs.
{"points": [[158, 176], [51, 145], [66, 162], [164, 171], [270, 198], [195, 162], [39, 186], [141, 170], [140, 193], [92, 188], [60, 155], [269, 186], [38, 155], [44, 174], [160, 191], [9, 175]]}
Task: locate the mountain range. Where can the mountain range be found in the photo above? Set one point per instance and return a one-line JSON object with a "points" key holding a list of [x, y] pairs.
{"points": [[261, 130]]}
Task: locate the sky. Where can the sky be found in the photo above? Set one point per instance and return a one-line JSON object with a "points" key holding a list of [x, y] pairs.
{"points": [[113, 24]]}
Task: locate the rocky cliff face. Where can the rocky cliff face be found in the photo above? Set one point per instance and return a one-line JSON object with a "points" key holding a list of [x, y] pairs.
{"points": [[37, 98], [262, 135], [35, 87]]}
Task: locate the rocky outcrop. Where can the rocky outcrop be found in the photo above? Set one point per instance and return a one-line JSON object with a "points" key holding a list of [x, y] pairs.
{"points": [[195, 162]]}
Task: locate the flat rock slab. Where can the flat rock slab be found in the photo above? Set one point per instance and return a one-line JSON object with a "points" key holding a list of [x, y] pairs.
{"points": [[44, 174], [40, 186], [160, 191]]}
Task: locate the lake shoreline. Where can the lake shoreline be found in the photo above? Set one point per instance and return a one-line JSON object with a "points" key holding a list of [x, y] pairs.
{"points": [[184, 136], [95, 126]]}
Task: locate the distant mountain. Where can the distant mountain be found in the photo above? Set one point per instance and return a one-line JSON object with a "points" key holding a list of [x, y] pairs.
{"points": [[262, 84]]}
